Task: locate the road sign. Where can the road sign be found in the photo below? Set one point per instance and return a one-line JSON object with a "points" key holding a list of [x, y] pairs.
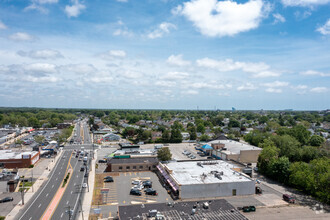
{"points": [[105, 190]]}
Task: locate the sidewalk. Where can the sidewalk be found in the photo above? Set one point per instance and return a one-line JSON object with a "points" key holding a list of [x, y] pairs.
{"points": [[29, 194], [88, 196]]}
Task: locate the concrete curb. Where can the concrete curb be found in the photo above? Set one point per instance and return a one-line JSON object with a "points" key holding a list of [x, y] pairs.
{"points": [[88, 196]]}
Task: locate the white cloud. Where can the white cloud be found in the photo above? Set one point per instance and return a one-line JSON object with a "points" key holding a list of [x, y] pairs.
{"points": [[75, 9], [38, 5], [79, 68], [246, 87], [325, 29], [258, 70], [163, 28], [40, 68], [177, 60], [2, 26], [276, 84], [130, 74], [223, 18], [304, 3], [123, 32], [41, 54], [278, 18], [204, 85], [190, 92], [43, 79], [319, 89], [273, 90], [21, 36], [175, 76], [314, 73], [113, 54], [163, 83]]}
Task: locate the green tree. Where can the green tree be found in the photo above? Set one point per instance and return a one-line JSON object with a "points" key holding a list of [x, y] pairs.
{"points": [[268, 153], [316, 140], [204, 137], [164, 154], [233, 124], [34, 122], [166, 136], [279, 169], [201, 128], [39, 139], [176, 136]]}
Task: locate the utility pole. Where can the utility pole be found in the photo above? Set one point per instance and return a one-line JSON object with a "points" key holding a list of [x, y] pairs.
{"points": [[22, 191], [32, 179], [69, 212], [82, 212]]}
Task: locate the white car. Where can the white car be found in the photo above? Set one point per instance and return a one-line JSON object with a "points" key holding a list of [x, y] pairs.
{"points": [[84, 185], [136, 182]]}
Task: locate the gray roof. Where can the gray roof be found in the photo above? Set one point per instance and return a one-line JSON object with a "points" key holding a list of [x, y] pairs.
{"points": [[133, 160]]}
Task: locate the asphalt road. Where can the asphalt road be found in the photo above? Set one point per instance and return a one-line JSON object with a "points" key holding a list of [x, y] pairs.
{"points": [[71, 200], [40, 201], [36, 207]]}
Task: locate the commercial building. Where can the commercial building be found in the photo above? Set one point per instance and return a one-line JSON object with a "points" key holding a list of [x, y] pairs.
{"points": [[110, 137], [12, 159], [132, 164], [205, 179], [233, 150]]}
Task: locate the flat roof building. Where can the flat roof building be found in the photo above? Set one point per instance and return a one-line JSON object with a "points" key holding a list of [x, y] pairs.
{"points": [[205, 179], [233, 150], [132, 164], [13, 159]]}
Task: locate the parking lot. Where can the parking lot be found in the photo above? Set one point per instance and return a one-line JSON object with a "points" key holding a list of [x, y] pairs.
{"points": [[5, 208], [119, 191], [178, 149]]}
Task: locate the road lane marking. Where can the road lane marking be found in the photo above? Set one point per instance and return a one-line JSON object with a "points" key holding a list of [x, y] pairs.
{"points": [[67, 202], [41, 190], [56, 179], [53, 186], [39, 205], [30, 218], [71, 192], [62, 214]]}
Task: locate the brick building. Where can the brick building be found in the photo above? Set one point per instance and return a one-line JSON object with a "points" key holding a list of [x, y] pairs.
{"points": [[12, 159], [132, 164]]}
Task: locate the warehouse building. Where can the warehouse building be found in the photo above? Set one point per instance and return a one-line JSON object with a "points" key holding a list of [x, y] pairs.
{"points": [[12, 159], [236, 151], [205, 179]]}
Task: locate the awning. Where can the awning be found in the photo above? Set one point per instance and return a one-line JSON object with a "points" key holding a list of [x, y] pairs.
{"points": [[168, 178]]}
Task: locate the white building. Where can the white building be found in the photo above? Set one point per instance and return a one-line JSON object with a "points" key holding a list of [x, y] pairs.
{"points": [[205, 179]]}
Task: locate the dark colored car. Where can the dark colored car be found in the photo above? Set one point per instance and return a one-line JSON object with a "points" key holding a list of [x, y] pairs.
{"points": [[135, 192], [150, 191], [109, 179], [288, 198], [102, 161], [147, 184], [86, 174], [7, 199], [249, 208], [82, 168]]}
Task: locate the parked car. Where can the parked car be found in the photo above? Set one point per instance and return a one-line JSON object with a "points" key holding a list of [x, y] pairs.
{"points": [[86, 174], [138, 187], [150, 191], [147, 184], [249, 208], [108, 180], [288, 198], [258, 190], [6, 199], [84, 185], [82, 168], [102, 161], [135, 192], [136, 182]]}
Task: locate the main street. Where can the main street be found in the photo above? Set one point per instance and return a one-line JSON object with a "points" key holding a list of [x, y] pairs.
{"points": [[71, 200], [39, 204]]}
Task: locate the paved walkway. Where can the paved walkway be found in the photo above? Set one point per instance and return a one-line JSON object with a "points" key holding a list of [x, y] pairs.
{"points": [[88, 196], [29, 194]]}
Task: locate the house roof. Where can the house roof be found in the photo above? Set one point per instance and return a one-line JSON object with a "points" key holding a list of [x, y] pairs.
{"points": [[133, 160]]}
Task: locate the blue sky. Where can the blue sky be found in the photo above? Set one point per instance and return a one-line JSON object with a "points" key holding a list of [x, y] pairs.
{"points": [[165, 54]]}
